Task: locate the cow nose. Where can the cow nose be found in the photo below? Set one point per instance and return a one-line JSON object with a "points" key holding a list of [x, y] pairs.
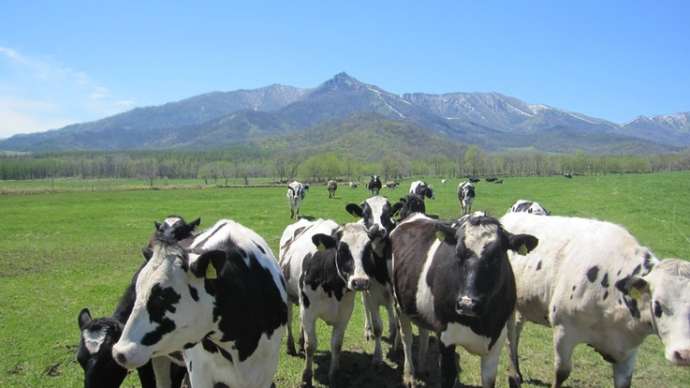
{"points": [[682, 357], [360, 284], [466, 306], [121, 358]]}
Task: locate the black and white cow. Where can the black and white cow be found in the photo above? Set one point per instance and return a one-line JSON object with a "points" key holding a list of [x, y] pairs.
{"points": [[332, 186], [422, 189], [353, 185], [374, 185], [595, 284], [295, 195], [409, 205], [525, 206], [392, 184], [100, 334], [455, 280], [222, 300], [466, 196], [324, 264]]}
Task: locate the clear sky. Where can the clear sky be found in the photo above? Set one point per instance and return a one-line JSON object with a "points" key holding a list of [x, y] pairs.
{"points": [[63, 62]]}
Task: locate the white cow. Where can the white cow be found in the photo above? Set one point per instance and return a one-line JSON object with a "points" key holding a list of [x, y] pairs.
{"points": [[525, 206], [595, 284], [295, 195]]}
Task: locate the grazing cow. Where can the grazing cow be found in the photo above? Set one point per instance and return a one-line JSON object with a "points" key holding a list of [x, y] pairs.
{"points": [[594, 284], [473, 179], [353, 185], [99, 335], [332, 186], [324, 264], [466, 196], [525, 206], [422, 189], [392, 184], [222, 300], [491, 179], [443, 181], [499, 182], [455, 280], [374, 185], [295, 196]]}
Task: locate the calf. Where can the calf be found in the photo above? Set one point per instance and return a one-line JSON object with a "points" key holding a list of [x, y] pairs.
{"points": [[324, 265], [525, 206], [223, 301], [466, 196], [456, 280], [595, 284], [374, 185], [295, 196], [332, 186], [422, 189], [99, 335]]}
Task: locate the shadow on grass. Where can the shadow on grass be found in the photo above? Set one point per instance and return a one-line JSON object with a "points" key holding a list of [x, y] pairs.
{"points": [[356, 370]]}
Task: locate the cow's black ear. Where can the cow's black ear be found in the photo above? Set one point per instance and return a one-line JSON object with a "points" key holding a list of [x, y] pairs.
{"points": [[396, 208], [208, 265], [522, 243], [354, 209], [323, 241], [195, 223], [157, 225], [147, 252], [83, 318], [633, 286], [446, 233]]}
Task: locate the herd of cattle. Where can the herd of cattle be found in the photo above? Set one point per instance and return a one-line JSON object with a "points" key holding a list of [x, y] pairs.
{"points": [[213, 307]]}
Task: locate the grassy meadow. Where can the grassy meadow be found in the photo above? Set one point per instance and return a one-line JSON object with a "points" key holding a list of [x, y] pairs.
{"points": [[62, 251]]}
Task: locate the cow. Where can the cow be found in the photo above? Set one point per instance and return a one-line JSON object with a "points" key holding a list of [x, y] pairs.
{"points": [[222, 300], [295, 196], [392, 184], [422, 189], [568, 175], [409, 205], [525, 206], [377, 212], [98, 335], [443, 181], [491, 179], [374, 185], [324, 265], [473, 179], [466, 196], [454, 279], [593, 283], [353, 185], [498, 182], [332, 186]]}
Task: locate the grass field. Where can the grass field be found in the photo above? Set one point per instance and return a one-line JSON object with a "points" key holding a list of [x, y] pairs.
{"points": [[60, 252]]}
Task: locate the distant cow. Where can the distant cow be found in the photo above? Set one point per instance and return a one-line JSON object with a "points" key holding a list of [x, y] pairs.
{"points": [[100, 334], [455, 279], [568, 175], [422, 189], [491, 179], [466, 196], [499, 182], [295, 196], [392, 184], [332, 186], [353, 185], [473, 179], [595, 284], [222, 300], [324, 264], [374, 185], [525, 206], [443, 181]]}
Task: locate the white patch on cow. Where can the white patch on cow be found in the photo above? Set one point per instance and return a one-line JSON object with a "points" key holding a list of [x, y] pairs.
{"points": [[457, 334], [356, 238], [414, 185], [93, 339], [424, 298], [479, 236], [377, 204], [171, 221]]}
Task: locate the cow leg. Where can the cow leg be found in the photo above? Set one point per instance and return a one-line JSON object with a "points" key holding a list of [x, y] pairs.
{"points": [[392, 326], [489, 363], [421, 350], [368, 334], [372, 309], [514, 326], [336, 345], [147, 376], [161, 369], [449, 366], [406, 337], [623, 371], [309, 327], [290, 340], [563, 352]]}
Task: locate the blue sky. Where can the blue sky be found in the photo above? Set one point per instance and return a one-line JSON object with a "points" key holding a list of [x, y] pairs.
{"points": [[63, 62]]}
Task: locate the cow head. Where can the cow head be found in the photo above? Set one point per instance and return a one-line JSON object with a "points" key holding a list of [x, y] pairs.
{"points": [[94, 352], [481, 246], [174, 303], [353, 259], [172, 228], [374, 211], [413, 203], [663, 297]]}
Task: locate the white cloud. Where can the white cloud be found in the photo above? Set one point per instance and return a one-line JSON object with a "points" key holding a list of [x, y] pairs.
{"points": [[37, 94]]}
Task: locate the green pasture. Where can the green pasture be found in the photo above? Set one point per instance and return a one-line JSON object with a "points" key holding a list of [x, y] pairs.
{"points": [[62, 251]]}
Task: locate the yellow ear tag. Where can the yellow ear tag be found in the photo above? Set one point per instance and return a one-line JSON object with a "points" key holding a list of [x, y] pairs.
{"points": [[321, 247], [523, 250], [211, 272], [440, 236], [635, 293]]}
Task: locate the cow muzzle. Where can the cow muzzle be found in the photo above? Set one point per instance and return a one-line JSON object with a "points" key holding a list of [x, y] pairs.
{"points": [[359, 284], [467, 307], [130, 356], [679, 357]]}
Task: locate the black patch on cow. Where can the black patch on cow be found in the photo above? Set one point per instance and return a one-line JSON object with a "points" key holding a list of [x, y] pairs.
{"points": [[657, 309], [619, 272], [248, 303], [571, 296], [305, 300], [241, 251], [592, 274], [632, 307], [190, 366], [209, 346], [193, 292], [189, 345], [319, 270], [539, 265], [153, 337], [605, 280], [160, 301], [553, 309], [606, 295], [574, 287], [647, 263], [637, 270], [607, 357], [260, 247], [220, 385]]}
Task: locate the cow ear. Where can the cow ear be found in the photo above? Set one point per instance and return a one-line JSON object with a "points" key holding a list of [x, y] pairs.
{"points": [[157, 225], [195, 223], [208, 264], [446, 233], [323, 241], [147, 252], [634, 286], [522, 243], [354, 209], [396, 208], [84, 318]]}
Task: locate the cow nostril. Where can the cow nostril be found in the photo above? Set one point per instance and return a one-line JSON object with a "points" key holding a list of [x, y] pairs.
{"points": [[121, 358]]}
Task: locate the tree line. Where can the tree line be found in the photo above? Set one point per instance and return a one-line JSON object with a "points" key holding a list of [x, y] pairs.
{"points": [[246, 163]]}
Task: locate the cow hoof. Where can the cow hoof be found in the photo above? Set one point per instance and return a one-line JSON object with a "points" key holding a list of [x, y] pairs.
{"points": [[376, 362], [514, 382], [306, 380]]}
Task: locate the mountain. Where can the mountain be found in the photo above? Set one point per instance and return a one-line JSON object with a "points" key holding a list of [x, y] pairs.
{"points": [[671, 129], [343, 109]]}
